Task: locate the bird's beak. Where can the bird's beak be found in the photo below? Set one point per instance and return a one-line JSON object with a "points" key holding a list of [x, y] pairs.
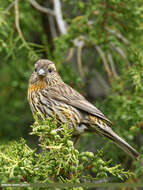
{"points": [[41, 73]]}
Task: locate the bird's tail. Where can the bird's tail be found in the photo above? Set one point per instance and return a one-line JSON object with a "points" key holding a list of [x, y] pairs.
{"points": [[104, 130]]}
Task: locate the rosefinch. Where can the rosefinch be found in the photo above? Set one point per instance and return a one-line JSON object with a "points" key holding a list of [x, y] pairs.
{"points": [[50, 96]]}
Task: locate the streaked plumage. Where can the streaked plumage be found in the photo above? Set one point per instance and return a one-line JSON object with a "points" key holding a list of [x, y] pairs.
{"points": [[49, 95]]}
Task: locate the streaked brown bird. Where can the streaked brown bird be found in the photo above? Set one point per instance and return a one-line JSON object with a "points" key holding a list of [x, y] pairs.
{"points": [[50, 96]]}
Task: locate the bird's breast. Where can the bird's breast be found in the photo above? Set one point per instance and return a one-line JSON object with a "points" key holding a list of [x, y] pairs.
{"points": [[49, 107]]}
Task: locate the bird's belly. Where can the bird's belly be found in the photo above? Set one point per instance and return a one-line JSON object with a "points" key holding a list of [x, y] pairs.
{"points": [[67, 114]]}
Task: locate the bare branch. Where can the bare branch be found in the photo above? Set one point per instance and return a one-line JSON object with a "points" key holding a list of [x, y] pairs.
{"points": [[70, 54], [121, 52], [17, 21], [59, 17], [118, 35], [79, 61], [41, 8], [111, 61], [9, 7], [18, 26], [102, 55]]}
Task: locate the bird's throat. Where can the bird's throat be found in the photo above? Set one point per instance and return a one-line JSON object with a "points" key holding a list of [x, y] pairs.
{"points": [[37, 86]]}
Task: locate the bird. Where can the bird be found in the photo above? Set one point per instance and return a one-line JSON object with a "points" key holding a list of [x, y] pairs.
{"points": [[49, 95]]}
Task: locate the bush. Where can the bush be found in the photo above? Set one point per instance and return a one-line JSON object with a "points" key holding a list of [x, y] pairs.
{"points": [[58, 161]]}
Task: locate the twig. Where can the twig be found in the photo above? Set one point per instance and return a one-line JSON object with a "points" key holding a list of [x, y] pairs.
{"points": [[9, 7], [70, 54], [18, 25], [59, 17], [102, 55], [121, 52], [57, 13], [111, 61], [79, 43], [58, 129], [41, 8], [118, 35], [17, 21], [79, 61]]}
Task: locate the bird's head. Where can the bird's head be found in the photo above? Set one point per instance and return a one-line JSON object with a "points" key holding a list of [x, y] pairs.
{"points": [[45, 71]]}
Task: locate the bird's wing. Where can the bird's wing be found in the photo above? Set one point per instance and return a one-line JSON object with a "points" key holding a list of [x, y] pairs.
{"points": [[68, 95]]}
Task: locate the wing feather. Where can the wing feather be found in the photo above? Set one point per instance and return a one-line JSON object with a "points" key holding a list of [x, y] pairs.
{"points": [[68, 95]]}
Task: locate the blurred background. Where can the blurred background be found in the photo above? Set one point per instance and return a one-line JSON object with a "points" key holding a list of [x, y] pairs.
{"points": [[97, 48]]}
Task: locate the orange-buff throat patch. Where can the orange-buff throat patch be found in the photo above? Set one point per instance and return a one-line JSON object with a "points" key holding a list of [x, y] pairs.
{"points": [[37, 86]]}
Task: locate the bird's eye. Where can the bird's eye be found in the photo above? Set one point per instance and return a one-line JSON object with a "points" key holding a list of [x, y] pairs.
{"points": [[35, 70], [50, 70]]}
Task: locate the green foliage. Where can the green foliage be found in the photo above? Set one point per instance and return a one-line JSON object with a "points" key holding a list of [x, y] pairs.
{"points": [[115, 26], [126, 101], [112, 25], [16, 57], [58, 161], [103, 23]]}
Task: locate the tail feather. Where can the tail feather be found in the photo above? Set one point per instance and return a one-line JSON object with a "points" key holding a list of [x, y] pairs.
{"points": [[103, 129]]}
